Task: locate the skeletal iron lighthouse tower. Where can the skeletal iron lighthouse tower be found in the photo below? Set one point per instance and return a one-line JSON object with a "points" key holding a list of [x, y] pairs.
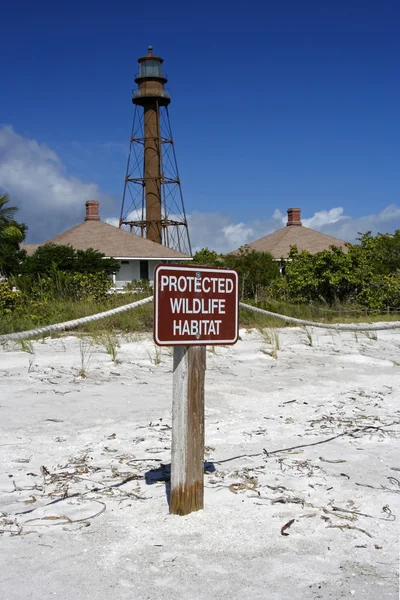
{"points": [[152, 204]]}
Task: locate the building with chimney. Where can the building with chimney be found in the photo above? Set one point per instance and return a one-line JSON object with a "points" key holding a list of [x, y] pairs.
{"points": [[137, 255], [278, 243]]}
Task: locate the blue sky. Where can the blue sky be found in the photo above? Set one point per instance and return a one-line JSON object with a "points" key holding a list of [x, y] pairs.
{"points": [[273, 105]]}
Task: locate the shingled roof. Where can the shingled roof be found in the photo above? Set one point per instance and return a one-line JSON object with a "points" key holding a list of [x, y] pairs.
{"points": [[110, 240], [279, 242]]}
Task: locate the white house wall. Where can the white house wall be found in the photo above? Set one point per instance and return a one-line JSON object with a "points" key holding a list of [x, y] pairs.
{"points": [[152, 266], [129, 271]]}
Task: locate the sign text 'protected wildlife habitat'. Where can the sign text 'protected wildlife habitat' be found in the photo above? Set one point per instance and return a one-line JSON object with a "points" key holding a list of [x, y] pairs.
{"points": [[195, 305]]}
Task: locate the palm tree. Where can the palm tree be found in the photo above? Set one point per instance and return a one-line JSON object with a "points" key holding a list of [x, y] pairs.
{"points": [[10, 232]]}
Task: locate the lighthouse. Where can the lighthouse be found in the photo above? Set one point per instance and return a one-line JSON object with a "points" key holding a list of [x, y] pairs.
{"points": [[152, 204]]}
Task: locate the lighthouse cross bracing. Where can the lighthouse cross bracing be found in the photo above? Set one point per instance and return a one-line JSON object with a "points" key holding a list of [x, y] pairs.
{"points": [[152, 204]]}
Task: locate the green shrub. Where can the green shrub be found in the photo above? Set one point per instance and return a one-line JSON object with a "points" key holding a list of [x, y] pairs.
{"points": [[89, 287], [11, 235], [279, 290], [92, 287], [380, 293], [365, 275], [8, 298], [51, 258], [139, 287], [208, 258], [256, 269]]}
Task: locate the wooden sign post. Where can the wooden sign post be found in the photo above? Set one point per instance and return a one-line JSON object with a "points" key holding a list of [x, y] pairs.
{"points": [[193, 307], [187, 451]]}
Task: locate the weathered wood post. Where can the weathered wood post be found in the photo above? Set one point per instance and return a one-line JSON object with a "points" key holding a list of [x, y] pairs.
{"points": [[193, 307], [187, 451]]}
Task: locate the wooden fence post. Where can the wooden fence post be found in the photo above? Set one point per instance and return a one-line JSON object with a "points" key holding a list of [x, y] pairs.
{"points": [[187, 451]]}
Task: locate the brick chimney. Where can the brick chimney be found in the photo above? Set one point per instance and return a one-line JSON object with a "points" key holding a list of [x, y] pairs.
{"points": [[293, 216], [92, 211]]}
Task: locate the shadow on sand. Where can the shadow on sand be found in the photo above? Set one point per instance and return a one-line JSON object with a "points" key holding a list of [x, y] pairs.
{"points": [[163, 474]]}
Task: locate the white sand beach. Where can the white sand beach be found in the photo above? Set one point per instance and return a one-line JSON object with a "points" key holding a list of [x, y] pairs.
{"points": [[83, 515]]}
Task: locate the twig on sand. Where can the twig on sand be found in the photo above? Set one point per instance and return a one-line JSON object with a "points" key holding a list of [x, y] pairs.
{"points": [[219, 462], [374, 487], [394, 481], [346, 526], [286, 526], [100, 487], [142, 460], [334, 437], [66, 520], [352, 512], [7, 526], [22, 489], [288, 500], [331, 461]]}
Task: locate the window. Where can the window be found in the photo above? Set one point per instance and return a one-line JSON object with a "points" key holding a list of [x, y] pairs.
{"points": [[150, 68], [144, 269]]}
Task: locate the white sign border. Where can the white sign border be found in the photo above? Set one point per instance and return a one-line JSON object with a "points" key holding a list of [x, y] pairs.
{"points": [[195, 342]]}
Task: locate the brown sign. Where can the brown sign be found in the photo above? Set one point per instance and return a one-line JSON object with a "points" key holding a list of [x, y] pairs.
{"points": [[195, 305]]}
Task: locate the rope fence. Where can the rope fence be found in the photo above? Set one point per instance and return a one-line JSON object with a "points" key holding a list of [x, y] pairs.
{"points": [[23, 335], [336, 326], [342, 311]]}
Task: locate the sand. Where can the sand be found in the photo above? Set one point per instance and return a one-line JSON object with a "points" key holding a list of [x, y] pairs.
{"points": [[83, 509]]}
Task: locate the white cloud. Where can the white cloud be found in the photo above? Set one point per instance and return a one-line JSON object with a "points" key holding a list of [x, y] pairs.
{"points": [[49, 199], [347, 228], [238, 233], [279, 217], [224, 234], [112, 221], [324, 217]]}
